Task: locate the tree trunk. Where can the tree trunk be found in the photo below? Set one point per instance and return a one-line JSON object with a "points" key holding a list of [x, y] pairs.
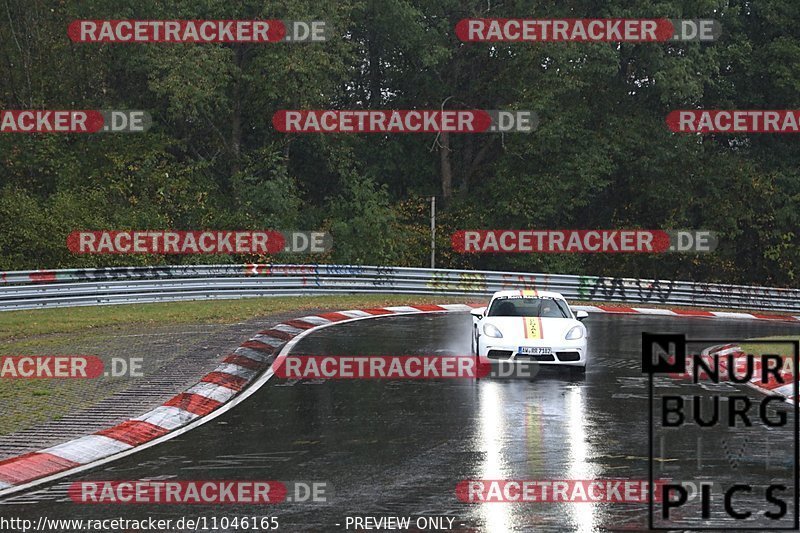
{"points": [[375, 75], [446, 167], [236, 119]]}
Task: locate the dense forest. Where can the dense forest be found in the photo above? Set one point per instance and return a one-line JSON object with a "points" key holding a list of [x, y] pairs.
{"points": [[602, 156]]}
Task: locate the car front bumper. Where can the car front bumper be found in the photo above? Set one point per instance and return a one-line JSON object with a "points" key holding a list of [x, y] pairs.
{"points": [[564, 352]]}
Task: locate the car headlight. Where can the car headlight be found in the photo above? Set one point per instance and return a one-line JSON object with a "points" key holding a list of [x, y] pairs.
{"points": [[491, 331], [575, 333]]}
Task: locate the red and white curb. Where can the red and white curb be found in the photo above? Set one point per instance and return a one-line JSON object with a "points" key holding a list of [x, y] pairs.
{"points": [[783, 388], [696, 313], [238, 376]]}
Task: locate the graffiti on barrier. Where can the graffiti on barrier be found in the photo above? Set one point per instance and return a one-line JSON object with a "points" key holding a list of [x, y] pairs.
{"points": [[384, 277], [737, 296], [112, 273], [522, 282], [279, 270], [464, 281], [625, 289], [312, 275], [118, 273], [344, 270]]}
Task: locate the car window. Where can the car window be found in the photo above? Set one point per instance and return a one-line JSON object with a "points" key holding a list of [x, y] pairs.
{"points": [[535, 307], [565, 310]]}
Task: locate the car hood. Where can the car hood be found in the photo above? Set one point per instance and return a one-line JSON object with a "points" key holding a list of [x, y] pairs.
{"points": [[532, 328]]}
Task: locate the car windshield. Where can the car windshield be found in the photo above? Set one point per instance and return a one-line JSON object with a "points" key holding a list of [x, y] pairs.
{"points": [[536, 307]]}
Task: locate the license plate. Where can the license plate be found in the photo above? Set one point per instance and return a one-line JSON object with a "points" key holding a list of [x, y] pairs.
{"points": [[534, 350]]}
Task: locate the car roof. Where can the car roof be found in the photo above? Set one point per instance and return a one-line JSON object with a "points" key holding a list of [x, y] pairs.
{"points": [[527, 294]]}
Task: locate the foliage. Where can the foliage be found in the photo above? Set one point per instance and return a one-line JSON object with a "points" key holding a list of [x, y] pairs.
{"points": [[601, 157]]}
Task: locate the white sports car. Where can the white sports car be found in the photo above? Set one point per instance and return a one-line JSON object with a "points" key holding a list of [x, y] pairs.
{"points": [[530, 326]]}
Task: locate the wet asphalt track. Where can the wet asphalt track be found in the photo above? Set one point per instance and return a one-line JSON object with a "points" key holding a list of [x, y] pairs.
{"points": [[400, 447]]}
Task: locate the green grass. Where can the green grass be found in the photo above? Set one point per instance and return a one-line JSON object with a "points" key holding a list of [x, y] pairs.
{"points": [[49, 331], [18, 325], [756, 348]]}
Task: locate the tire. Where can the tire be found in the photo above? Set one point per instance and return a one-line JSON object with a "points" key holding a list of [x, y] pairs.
{"points": [[475, 351]]}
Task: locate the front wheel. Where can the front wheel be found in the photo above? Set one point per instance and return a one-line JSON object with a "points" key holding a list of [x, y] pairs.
{"points": [[475, 353]]}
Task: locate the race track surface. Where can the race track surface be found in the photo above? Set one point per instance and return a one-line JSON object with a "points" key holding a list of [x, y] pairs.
{"points": [[399, 448]]}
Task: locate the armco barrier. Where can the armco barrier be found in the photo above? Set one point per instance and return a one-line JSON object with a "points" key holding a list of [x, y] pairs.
{"points": [[106, 286]]}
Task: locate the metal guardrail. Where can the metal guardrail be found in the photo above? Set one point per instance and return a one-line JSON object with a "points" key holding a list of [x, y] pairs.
{"points": [[106, 286], [73, 287]]}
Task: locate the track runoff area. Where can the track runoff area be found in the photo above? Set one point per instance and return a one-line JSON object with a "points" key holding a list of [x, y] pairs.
{"points": [[541, 449]]}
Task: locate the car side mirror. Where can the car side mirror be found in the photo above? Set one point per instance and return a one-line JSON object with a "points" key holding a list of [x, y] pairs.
{"points": [[478, 312], [580, 315]]}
